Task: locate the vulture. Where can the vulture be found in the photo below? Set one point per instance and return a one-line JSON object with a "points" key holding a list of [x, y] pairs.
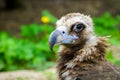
{"points": [[81, 52]]}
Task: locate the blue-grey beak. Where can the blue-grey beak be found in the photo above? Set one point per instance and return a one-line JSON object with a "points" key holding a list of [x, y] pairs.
{"points": [[60, 37]]}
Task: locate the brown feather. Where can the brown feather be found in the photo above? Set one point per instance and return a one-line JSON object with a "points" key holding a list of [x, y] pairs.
{"points": [[93, 64]]}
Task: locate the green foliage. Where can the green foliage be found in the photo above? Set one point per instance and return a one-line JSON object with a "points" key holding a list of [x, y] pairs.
{"points": [[112, 58], [30, 51], [106, 25]]}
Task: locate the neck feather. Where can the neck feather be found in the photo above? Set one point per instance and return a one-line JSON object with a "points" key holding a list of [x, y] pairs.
{"points": [[93, 53]]}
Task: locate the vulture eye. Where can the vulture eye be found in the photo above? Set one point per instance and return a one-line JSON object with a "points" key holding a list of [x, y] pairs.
{"points": [[79, 26]]}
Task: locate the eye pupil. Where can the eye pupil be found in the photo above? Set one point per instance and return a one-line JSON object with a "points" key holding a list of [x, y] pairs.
{"points": [[79, 26], [63, 32]]}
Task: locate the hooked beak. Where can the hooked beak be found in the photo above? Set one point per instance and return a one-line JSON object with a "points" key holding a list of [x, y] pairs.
{"points": [[60, 37]]}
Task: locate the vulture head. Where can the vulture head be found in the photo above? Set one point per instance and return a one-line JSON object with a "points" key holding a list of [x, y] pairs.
{"points": [[71, 30]]}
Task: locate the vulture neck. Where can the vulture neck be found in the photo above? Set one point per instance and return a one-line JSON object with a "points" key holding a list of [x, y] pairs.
{"points": [[93, 52]]}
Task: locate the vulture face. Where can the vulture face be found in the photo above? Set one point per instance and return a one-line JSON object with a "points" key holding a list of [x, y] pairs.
{"points": [[72, 29]]}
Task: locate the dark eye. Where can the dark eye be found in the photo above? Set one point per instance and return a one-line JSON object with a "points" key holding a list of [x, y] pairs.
{"points": [[80, 26]]}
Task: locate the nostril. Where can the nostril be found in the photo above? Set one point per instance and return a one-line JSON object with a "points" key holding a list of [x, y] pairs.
{"points": [[63, 32]]}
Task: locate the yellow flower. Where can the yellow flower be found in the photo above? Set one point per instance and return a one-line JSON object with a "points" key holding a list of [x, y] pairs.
{"points": [[45, 19]]}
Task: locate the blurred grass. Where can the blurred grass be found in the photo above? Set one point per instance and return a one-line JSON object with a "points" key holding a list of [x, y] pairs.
{"points": [[107, 25], [31, 49]]}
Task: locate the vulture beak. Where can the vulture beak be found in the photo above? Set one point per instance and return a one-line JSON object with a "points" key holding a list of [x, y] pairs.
{"points": [[60, 37]]}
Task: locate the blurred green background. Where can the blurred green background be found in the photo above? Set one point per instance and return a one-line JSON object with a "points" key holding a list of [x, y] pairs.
{"points": [[26, 25]]}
